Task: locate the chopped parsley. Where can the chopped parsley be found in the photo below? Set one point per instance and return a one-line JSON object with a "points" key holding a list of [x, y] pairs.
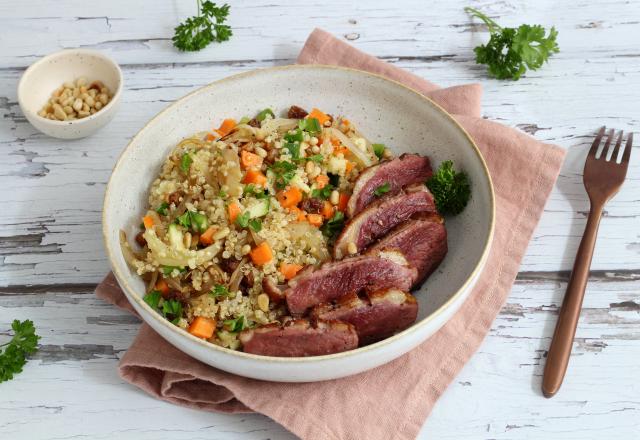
{"points": [[263, 114], [317, 158], [323, 193], [172, 310], [382, 189], [153, 299], [168, 270], [243, 219], [255, 224], [244, 120], [296, 136], [185, 162], [334, 225], [219, 291], [311, 125], [378, 149], [257, 192], [236, 325], [293, 148], [450, 189], [194, 220], [163, 208], [284, 171]]}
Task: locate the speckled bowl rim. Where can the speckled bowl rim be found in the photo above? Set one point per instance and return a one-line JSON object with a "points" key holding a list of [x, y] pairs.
{"points": [[66, 52], [131, 293]]}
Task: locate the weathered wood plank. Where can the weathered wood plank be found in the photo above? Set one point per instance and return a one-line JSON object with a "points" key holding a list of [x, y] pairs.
{"points": [[50, 227], [496, 395]]}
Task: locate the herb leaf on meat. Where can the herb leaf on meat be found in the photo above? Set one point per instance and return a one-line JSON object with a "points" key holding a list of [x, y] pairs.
{"points": [[382, 189], [451, 190], [14, 355], [510, 51], [196, 32], [378, 149]]}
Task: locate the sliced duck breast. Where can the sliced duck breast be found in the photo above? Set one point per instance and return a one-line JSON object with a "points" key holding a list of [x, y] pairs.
{"points": [[381, 216], [375, 317], [391, 176], [422, 241], [371, 272], [300, 337]]}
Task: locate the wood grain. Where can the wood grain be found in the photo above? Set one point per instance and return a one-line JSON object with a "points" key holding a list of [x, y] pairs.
{"points": [[51, 252]]}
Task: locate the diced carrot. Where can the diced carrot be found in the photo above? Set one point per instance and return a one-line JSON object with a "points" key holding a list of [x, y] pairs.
{"points": [[344, 150], [289, 197], [342, 202], [315, 219], [148, 221], [290, 270], [301, 215], [162, 286], [234, 212], [211, 137], [202, 327], [255, 176], [226, 127], [207, 236], [322, 180], [349, 166], [327, 210], [345, 121], [261, 254], [335, 142], [250, 160], [320, 116]]}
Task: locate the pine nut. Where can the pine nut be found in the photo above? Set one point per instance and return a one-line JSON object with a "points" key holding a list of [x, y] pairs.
{"points": [[261, 152], [75, 100], [309, 167], [263, 302], [245, 249], [77, 104], [335, 197], [59, 113], [98, 105], [90, 101]]}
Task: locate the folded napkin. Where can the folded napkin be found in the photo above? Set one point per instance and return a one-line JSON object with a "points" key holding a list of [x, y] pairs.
{"points": [[523, 171]]}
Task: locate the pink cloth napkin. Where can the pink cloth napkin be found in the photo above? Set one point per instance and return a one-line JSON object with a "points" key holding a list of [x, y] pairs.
{"points": [[363, 406]]}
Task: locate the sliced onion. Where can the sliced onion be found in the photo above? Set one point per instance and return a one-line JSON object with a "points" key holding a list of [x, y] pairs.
{"points": [[127, 253], [168, 256], [360, 155], [279, 124], [152, 281], [236, 277]]}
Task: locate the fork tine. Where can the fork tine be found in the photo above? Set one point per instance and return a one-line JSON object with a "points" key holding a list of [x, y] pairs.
{"points": [[605, 149], [596, 142], [616, 149], [627, 150]]}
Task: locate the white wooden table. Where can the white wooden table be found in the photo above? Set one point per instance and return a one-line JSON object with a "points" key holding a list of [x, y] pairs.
{"points": [[51, 254]]}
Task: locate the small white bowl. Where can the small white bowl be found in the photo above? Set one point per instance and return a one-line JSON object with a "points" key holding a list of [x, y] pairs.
{"points": [[46, 75]]}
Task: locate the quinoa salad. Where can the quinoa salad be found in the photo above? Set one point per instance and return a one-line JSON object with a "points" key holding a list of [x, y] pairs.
{"points": [[242, 208]]}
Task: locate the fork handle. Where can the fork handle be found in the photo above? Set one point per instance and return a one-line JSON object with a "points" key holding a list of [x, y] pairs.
{"points": [[560, 349]]}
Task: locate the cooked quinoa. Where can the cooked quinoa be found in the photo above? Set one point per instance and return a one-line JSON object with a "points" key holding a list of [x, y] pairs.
{"points": [[263, 197]]}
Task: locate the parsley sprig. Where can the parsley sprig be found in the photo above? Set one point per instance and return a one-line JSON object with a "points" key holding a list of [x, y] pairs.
{"points": [[14, 355], [510, 51], [450, 189], [196, 32]]}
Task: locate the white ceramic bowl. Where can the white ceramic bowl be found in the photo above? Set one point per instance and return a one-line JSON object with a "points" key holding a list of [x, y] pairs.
{"points": [[47, 74], [385, 111]]}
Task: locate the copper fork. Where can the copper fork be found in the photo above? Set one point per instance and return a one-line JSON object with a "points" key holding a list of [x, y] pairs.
{"points": [[603, 176]]}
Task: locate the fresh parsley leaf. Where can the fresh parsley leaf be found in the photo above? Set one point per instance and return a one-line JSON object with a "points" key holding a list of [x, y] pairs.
{"points": [[334, 179], [153, 298], [333, 227], [196, 32], [14, 356], [311, 125], [222, 194], [172, 310], [293, 148], [243, 219], [284, 171], [236, 325], [378, 149], [163, 208], [382, 189], [168, 270], [263, 114], [323, 193], [510, 52], [185, 162], [257, 192], [194, 220], [450, 189], [219, 291], [296, 136], [255, 224], [317, 158]]}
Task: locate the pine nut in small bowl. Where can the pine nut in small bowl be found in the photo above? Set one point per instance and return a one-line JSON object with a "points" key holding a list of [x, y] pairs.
{"points": [[71, 94]]}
